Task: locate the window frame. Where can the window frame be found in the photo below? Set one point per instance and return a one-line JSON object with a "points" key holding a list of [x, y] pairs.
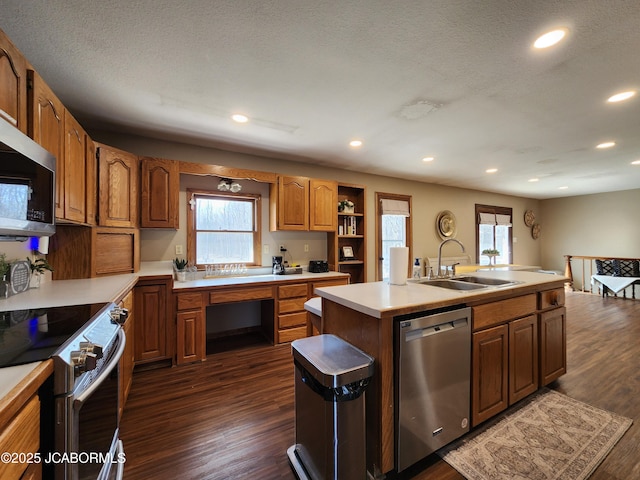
{"points": [[379, 196], [256, 199], [496, 210]]}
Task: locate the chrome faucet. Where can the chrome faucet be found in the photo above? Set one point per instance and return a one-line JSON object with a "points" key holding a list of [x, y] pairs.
{"points": [[438, 274]]}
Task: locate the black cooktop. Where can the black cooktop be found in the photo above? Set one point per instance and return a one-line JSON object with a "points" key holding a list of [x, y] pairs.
{"points": [[34, 335]]}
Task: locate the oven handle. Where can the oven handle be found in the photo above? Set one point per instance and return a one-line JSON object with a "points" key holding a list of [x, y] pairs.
{"points": [[80, 399], [119, 453]]}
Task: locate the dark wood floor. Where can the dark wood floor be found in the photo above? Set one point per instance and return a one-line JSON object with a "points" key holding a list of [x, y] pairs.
{"points": [[232, 417]]}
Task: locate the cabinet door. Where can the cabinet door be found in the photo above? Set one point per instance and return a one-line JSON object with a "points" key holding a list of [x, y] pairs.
{"points": [[323, 205], [553, 345], [13, 84], [92, 182], [74, 170], [46, 127], [292, 203], [490, 373], [117, 187], [523, 358], [190, 334], [160, 186], [150, 328]]}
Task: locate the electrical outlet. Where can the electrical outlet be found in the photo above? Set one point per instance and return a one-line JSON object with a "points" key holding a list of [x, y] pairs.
{"points": [[306, 247], [283, 248], [179, 250]]}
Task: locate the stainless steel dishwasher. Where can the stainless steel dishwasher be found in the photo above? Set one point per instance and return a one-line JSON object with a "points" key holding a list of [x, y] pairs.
{"points": [[433, 359]]}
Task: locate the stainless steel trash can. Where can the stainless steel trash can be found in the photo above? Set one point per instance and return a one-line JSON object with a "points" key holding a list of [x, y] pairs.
{"points": [[331, 376]]}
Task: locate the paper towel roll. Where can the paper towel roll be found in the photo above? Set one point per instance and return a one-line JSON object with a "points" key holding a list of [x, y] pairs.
{"points": [[398, 265]]}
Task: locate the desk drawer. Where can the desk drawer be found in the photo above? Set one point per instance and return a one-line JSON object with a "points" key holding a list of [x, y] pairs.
{"points": [[291, 334], [189, 301], [291, 291], [240, 295], [292, 320], [291, 305]]}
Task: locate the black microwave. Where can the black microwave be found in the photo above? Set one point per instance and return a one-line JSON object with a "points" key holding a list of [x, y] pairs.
{"points": [[27, 186]]}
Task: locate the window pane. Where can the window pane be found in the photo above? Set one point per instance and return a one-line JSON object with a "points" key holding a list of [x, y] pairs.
{"points": [[502, 244], [225, 247], [486, 242], [393, 235], [224, 215]]}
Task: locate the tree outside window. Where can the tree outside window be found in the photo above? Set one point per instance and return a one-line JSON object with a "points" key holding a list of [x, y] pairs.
{"points": [[223, 228]]}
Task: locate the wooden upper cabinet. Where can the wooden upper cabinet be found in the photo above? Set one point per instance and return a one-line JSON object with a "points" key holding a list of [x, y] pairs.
{"points": [[291, 208], [160, 188], [74, 170], [323, 205], [92, 182], [117, 187], [46, 127], [13, 84]]}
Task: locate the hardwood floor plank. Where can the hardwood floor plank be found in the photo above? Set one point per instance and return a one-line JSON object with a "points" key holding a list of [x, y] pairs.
{"points": [[232, 417]]}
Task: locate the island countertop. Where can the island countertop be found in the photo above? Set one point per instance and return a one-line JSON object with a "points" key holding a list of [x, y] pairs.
{"points": [[380, 299]]}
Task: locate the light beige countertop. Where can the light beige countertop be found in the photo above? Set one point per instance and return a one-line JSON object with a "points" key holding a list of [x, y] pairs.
{"points": [[224, 281], [378, 298]]}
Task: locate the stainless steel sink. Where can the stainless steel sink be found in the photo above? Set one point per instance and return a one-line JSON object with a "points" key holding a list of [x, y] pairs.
{"points": [[451, 284], [495, 282]]}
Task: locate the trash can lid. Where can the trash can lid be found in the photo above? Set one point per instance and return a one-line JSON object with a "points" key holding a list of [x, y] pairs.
{"points": [[331, 360]]}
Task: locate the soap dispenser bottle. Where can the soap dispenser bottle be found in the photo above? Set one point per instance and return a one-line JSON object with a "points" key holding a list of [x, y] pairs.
{"points": [[417, 269]]}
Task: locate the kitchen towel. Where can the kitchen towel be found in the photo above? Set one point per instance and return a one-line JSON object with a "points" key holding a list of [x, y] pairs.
{"points": [[398, 265]]}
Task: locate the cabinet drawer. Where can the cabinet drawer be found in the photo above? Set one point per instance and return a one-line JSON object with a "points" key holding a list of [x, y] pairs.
{"points": [[499, 312], [291, 334], [189, 301], [291, 291], [291, 305], [326, 283], [551, 298], [241, 295], [292, 320], [21, 435]]}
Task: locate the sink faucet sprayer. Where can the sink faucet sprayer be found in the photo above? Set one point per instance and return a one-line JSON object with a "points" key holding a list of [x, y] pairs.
{"points": [[440, 252]]}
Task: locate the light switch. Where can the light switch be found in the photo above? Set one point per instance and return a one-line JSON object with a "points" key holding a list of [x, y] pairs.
{"points": [[306, 247], [179, 250], [265, 249]]}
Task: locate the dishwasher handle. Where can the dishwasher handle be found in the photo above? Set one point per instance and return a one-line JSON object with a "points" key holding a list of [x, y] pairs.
{"points": [[435, 329]]}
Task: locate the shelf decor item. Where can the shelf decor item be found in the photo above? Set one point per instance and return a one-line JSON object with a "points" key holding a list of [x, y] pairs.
{"points": [[346, 206], [347, 253], [37, 268]]}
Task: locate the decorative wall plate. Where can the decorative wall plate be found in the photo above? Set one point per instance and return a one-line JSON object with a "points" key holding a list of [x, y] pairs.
{"points": [[446, 224], [529, 218], [535, 230]]}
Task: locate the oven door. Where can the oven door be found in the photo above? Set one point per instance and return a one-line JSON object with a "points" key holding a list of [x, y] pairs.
{"points": [[91, 444]]}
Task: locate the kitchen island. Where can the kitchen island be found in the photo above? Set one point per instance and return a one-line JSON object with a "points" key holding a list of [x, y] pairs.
{"points": [[518, 342]]}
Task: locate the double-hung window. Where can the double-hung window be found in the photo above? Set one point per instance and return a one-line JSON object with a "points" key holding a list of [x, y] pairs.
{"points": [[223, 228], [493, 232]]}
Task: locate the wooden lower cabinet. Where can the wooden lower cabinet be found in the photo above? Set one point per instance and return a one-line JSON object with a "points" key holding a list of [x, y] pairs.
{"points": [[190, 328], [553, 344], [21, 435], [523, 358], [290, 313], [128, 356], [490, 378], [151, 324]]}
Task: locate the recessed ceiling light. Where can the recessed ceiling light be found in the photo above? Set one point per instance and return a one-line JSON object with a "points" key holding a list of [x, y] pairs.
{"points": [[619, 97], [491, 170], [355, 143], [605, 145], [534, 179], [550, 38], [239, 118], [635, 162], [563, 188], [427, 159]]}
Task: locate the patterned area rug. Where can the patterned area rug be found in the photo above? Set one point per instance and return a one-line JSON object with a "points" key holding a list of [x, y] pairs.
{"points": [[551, 436]]}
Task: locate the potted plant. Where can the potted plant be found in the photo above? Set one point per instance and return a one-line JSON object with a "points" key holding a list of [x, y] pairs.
{"points": [[180, 265], [38, 268], [346, 206]]}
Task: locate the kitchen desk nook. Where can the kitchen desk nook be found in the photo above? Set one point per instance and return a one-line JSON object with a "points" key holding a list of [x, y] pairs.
{"points": [[517, 343]]}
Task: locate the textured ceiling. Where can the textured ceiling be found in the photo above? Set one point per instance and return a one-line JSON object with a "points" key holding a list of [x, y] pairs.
{"points": [[453, 79]]}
